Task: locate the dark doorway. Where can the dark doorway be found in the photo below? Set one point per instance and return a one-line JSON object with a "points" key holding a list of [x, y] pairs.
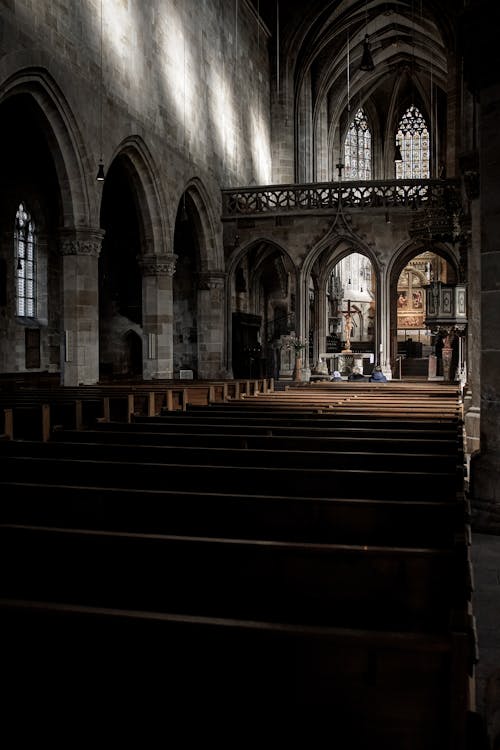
{"points": [[248, 361]]}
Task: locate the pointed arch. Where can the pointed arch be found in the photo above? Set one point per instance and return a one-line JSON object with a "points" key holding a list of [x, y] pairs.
{"points": [[143, 173], [79, 205], [204, 219]]}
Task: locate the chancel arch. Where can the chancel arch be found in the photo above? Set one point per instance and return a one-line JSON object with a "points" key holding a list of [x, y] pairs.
{"points": [[340, 280]]}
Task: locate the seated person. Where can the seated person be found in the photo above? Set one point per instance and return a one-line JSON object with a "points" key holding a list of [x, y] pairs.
{"points": [[377, 375], [336, 375], [356, 374]]}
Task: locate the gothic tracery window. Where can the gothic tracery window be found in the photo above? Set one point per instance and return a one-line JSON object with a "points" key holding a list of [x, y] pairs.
{"points": [[358, 149], [24, 241], [413, 139]]}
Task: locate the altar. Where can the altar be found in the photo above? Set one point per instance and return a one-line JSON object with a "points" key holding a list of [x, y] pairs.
{"points": [[345, 361]]}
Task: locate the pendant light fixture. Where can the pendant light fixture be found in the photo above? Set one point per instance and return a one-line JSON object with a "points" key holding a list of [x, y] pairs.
{"points": [[100, 171], [397, 152], [366, 58]]}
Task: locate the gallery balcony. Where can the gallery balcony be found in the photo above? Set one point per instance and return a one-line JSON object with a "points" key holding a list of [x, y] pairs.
{"points": [[436, 202]]}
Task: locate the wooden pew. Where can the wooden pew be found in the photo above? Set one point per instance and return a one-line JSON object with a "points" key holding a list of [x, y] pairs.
{"points": [[122, 434], [371, 689], [375, 588], [292, 481], [337, 520], [314, 421], [233, 456], [32, 411], [328, 592]]}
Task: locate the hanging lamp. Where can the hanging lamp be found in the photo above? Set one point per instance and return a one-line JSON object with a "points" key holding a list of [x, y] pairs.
{"points": [[366, 59]]}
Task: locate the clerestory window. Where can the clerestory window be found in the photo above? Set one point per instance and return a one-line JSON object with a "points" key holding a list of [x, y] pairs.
{"points": [[358, 149], [413, 140], [24, 248]]}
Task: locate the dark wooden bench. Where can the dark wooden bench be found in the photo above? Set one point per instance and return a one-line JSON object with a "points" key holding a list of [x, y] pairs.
{"points": [[397, 522], [370, 689], [233, 456], [121, 434], [375, 588], [374, 483], [32, 411], [317, 421], [341, 591]]}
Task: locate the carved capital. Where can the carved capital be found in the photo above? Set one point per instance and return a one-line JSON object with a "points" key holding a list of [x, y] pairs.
{"points": [[81, 241], [208, 280], [158, 265]]}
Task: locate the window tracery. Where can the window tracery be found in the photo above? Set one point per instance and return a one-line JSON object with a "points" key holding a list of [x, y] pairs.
{"points": [[358, 149], [24, 239], [414, 141]]}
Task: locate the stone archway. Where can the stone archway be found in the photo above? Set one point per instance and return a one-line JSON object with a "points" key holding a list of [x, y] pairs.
{"points": [[411, 272], [198, 287]]}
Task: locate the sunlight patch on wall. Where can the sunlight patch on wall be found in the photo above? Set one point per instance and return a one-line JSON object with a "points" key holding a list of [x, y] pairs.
{"points": [[177, 64], [260, 148], [223, 116], [122, 48]]}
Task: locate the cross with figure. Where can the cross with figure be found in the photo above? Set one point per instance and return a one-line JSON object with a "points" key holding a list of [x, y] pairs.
{"points": [[348, 326]]}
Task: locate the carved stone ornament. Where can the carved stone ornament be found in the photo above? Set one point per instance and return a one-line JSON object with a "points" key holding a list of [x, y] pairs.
{"points": [[81, 243], [208, 280], [158, 265]]}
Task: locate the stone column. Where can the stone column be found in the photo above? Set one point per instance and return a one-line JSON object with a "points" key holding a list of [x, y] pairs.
{"points": [[211, 325], [157, 315], [320, 325], [80, 250], [472, 396], [482, 73]]}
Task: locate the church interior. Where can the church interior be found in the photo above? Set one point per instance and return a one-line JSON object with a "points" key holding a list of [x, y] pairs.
{"points": [[210, 191]]}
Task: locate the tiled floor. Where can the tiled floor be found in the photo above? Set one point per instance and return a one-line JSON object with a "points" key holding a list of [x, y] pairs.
{"points": [[486, 605]]}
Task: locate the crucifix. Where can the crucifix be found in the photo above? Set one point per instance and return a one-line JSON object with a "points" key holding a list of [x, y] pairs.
{"points": [[348, 325], [340, 168]]}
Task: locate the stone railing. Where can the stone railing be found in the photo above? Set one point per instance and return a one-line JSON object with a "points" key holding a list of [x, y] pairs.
{"points": [[382, 194]]}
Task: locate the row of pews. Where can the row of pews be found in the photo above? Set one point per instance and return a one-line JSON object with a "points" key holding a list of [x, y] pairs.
{"points": [[29, 410], [292, 551]]}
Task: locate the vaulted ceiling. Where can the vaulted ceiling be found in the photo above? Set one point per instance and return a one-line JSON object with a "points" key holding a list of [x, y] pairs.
{"points": [[316, 49]]}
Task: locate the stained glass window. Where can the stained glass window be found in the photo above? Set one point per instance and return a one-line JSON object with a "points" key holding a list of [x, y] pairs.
{"points": [[358, 149], [413, 140], [25, 263]]}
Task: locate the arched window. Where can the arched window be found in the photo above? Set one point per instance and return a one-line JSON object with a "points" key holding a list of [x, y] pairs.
{"points": [[413, 140], [24, 248], [358, 149]]}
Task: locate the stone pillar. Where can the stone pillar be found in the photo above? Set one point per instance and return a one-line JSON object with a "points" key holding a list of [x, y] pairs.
{"points": [[157, 315], [320, 327], [211, 325], [80, 250], [472, 396], [482, 72]]}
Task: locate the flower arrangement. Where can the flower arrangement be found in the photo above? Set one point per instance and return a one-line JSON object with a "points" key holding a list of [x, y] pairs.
{"points": [[295, 343]]}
